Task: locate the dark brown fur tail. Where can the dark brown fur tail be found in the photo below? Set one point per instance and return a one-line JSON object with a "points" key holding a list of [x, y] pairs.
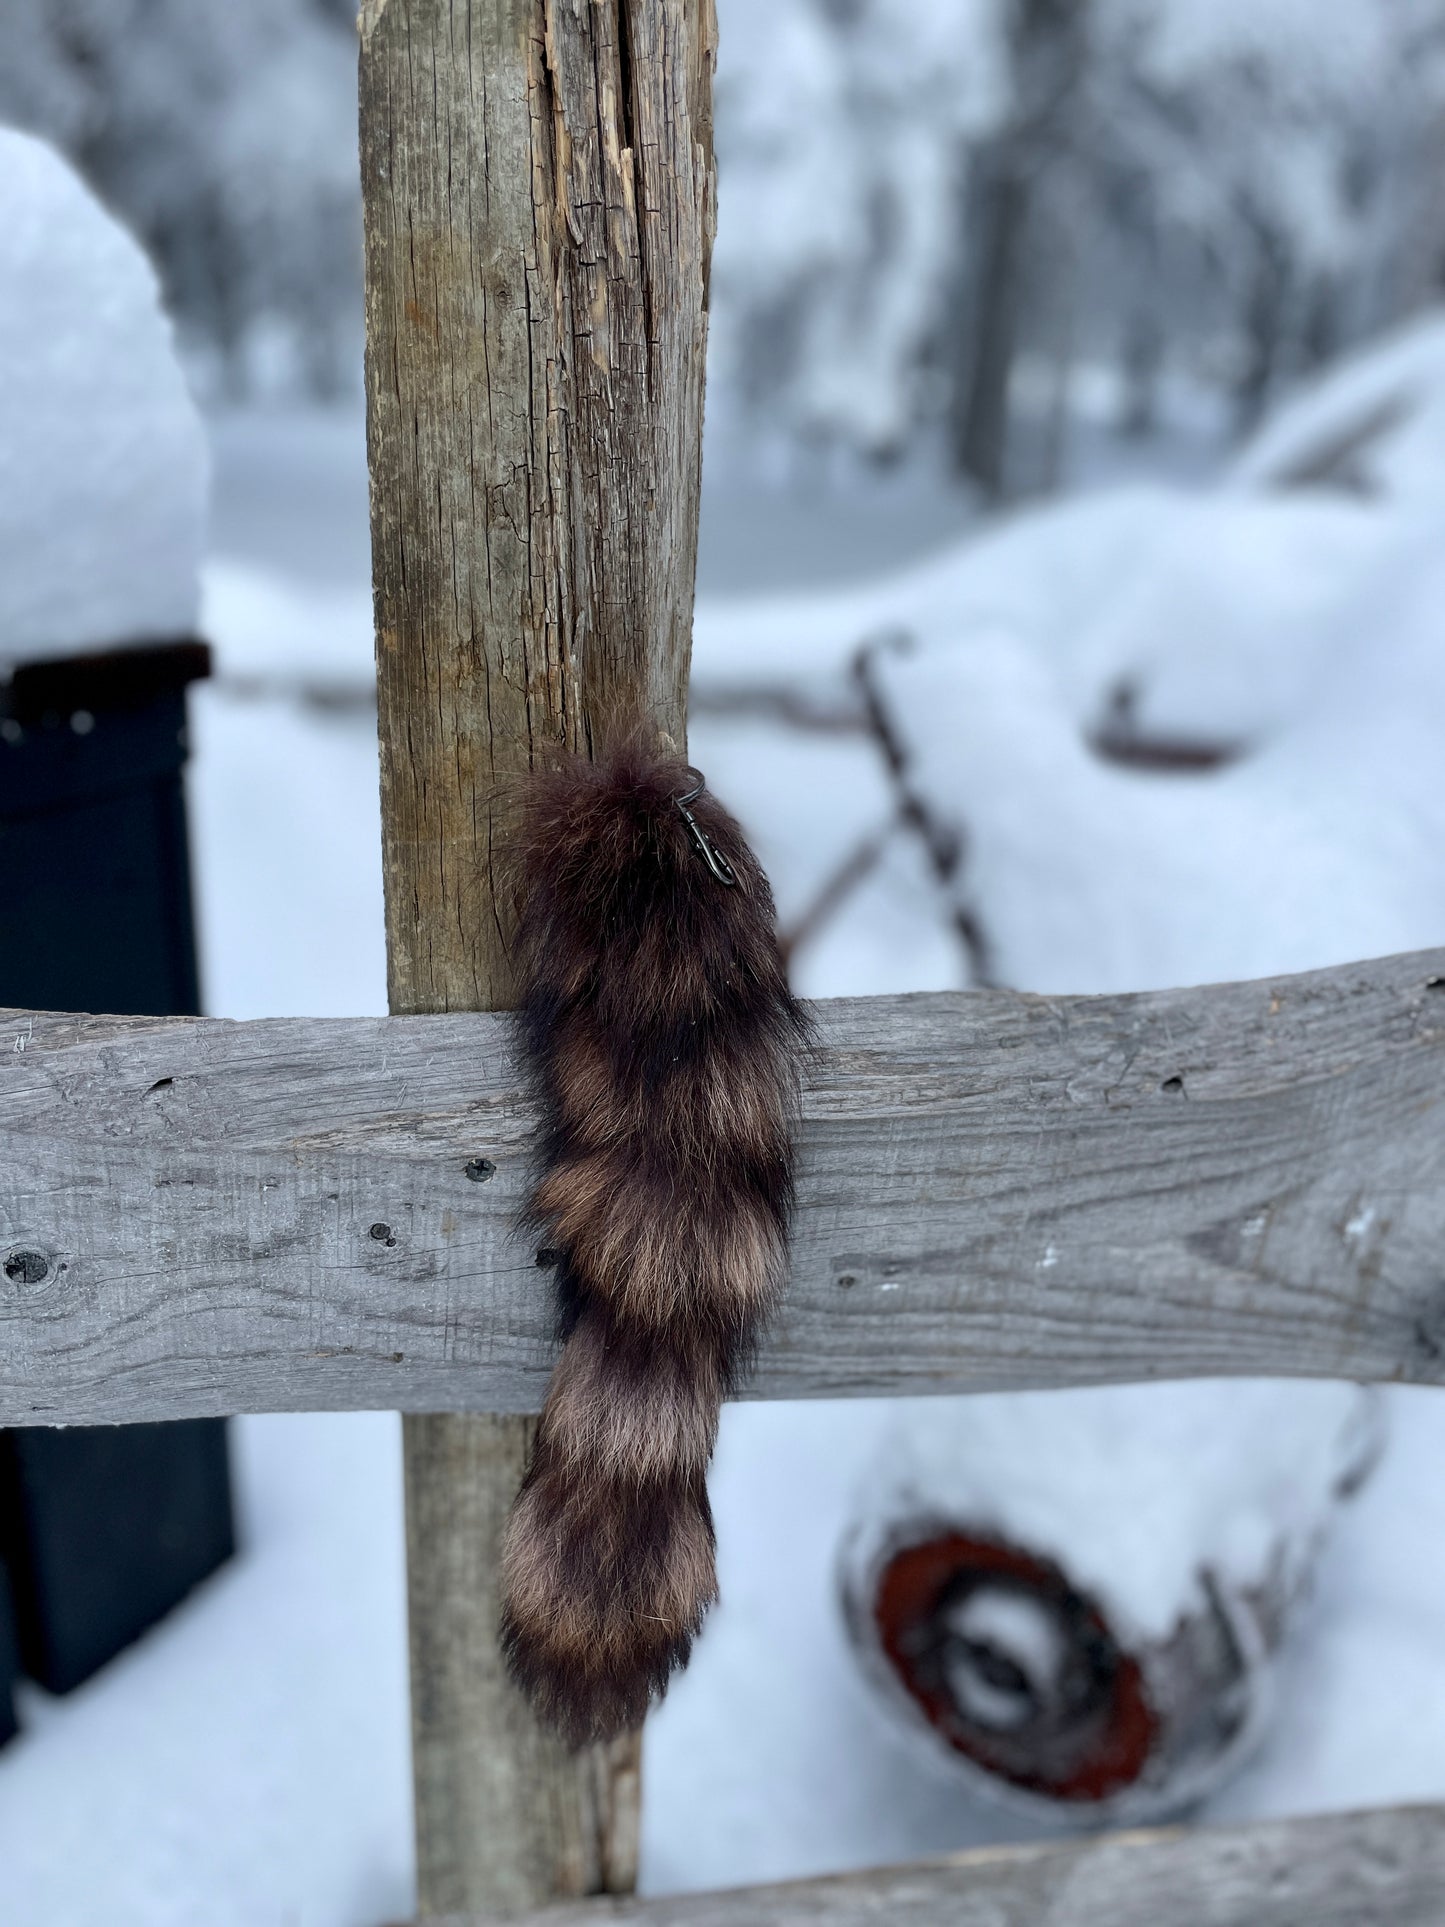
{"points": [[662, 1042]]}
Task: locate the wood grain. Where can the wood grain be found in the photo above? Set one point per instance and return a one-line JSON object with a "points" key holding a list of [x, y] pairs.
{"points": [[539, 213], [1380, 1869], [996, 1190], [538, 184], [500, 1806]]}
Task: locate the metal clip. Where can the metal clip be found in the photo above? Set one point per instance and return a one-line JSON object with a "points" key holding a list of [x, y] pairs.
{"points": [[714, 859]]}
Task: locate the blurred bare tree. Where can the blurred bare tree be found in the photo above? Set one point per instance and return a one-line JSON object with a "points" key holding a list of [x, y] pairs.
{"points": [[933, 216], [921, 203], [225, 135], [1045, 46]]}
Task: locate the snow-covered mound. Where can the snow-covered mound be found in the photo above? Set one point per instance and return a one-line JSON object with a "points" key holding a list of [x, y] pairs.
{"points": [[1266, 1464], [1325, 844], [1171, 1510], [263, 624], [1210, 607], [1290, 620], [1302, 626], [102, 458], [1374, 424]]}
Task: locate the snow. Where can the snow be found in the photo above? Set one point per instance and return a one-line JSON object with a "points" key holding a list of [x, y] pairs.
{"points": [[1265, 1463], [1296, 625], [1389, 405], [1092, 1481], [808, 802], [1187, 37], [1210, 605], [1361, 1710], [837, 171], [772, 1759], [247, 1762], [1302, 626], [265, 624], [225, 136], [1252, 190], [1326, 843], [289, 923], [102, 455], [1011, 1624], [272, 904]]}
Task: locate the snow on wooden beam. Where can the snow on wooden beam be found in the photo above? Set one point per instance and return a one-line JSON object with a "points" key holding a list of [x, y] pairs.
{"points": [[997, 1190], [1338, 1870]]}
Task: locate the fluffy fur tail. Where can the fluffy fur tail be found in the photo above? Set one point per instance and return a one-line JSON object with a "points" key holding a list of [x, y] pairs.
{"points": [[662, 1041]]}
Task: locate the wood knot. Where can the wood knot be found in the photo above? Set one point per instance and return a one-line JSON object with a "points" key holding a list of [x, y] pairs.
{"points": [[24, 1265]]}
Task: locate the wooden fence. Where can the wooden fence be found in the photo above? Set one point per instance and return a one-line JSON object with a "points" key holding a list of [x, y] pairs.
{"points": [[1339, 1871], [997, 1190]]}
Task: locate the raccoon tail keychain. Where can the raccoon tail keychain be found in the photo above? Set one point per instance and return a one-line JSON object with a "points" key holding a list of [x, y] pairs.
{"points": [[662, 1045]]}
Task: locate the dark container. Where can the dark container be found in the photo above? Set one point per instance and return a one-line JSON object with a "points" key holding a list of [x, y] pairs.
{"points": [[106, 1528], [9, 1663], [103, 1529], [93, 844]]}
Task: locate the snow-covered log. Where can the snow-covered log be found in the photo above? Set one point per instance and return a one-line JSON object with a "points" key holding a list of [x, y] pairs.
{"points": [[1079, 1598], [102, 457]]}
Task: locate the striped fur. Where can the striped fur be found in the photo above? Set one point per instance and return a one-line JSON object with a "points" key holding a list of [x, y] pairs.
{"points": [[662, 1042]]}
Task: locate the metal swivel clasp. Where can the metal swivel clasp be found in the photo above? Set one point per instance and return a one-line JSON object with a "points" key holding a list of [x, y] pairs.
{"points": [[713, 858]]}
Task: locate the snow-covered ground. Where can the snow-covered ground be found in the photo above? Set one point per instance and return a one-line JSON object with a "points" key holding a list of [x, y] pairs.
{"points": [[247, 1762]]}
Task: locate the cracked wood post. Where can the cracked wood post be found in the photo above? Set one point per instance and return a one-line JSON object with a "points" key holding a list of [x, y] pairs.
{"points": [[539, 197]]}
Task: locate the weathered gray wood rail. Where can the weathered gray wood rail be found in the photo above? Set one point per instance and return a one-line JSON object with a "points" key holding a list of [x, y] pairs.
{"points": [[1380, 1869], [997, 1190]]}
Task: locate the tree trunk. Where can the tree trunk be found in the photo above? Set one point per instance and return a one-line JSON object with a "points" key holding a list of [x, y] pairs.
{"points": [[539, 191], [981, 417], [1266, 310], [1143, 363], [1047, 45]]}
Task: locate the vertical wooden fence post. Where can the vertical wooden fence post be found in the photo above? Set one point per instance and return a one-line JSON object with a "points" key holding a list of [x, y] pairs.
{"points": [[539, 194]]}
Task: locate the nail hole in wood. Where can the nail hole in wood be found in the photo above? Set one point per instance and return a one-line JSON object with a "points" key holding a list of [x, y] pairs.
{"points": [[1174, 1086]]}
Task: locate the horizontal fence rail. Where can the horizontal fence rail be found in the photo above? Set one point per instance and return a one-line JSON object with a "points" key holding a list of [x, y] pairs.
{"points": [[1381, 1869], [997, 1190]]}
